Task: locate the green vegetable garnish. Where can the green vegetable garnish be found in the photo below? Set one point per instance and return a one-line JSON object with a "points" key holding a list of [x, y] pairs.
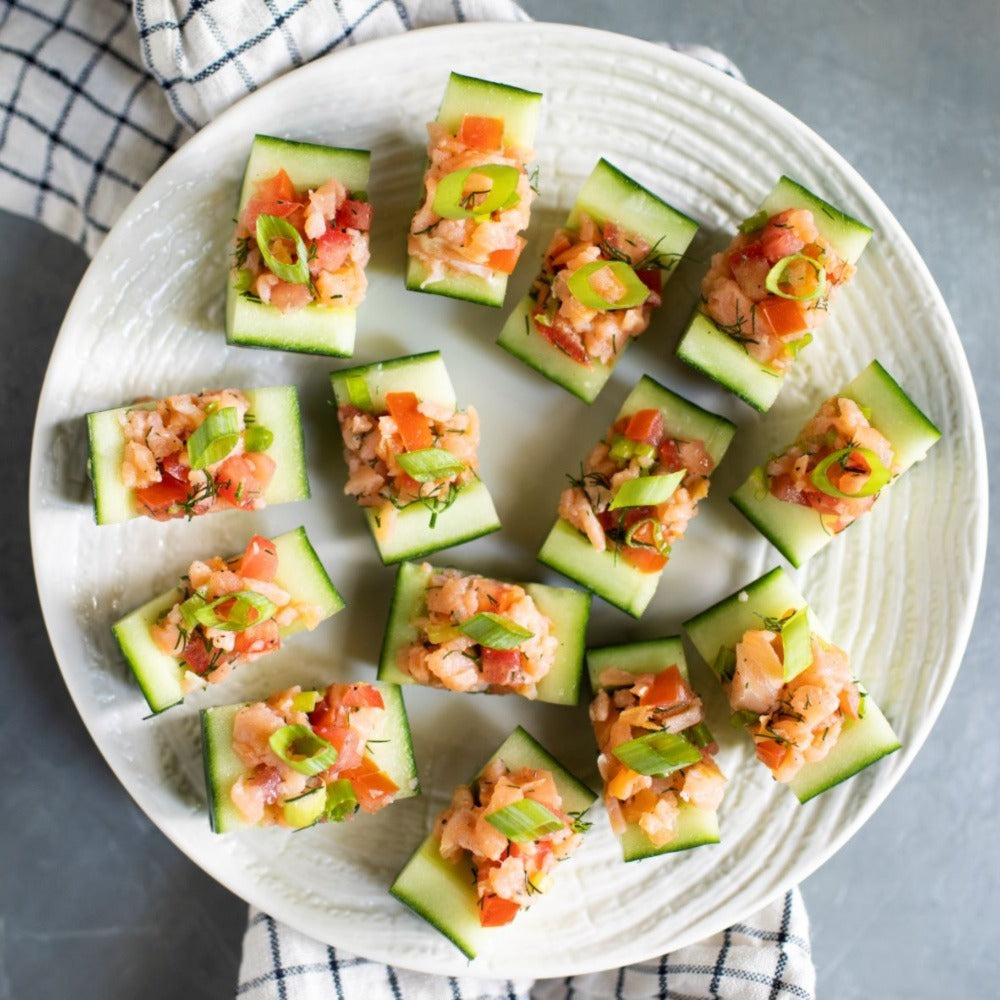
{"points": [[657, 754], [214, 438], [852, 459], [302, 750], [647, 491], [341, 801], [453, 201], [427, 465], [635, 292], [257, 438], [245, 608], [271, 228], [495, 631], [776, 278], [524, 820], [357, 391]]}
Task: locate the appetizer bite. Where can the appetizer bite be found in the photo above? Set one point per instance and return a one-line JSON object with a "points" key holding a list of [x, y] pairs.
{"points": [[306, 757], [197, 453], [635, 494], [813, 725], [300, 249], [466, 632], [767, 292], [601, 278], [411, 456], [662, 786], [465, 237], [224, 613], [493, 850], [857, 443]]}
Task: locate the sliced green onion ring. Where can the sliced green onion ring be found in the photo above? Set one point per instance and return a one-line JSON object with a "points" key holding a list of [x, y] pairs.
{"points": [[524, 820], [302, 750], [452, 202], [623, 448], [635, 291], [657, 754], [257, 438], [428, 465], [358, 393], [777, 274], [647, 491], [248, 608], [341, 802], [878, 477], [495, 631], [658, 544], [272, 227], [796, 643], [214, 438], [189, 610], [724, 665]]}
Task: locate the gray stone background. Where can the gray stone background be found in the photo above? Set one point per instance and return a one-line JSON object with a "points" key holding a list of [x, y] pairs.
{"points": [[96, 903]]}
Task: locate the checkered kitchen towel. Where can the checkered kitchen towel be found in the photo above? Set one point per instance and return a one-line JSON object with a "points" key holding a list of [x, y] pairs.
{"points": [[89, 108]]}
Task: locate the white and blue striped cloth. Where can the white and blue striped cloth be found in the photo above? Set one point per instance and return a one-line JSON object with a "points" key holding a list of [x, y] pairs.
{"points": [[94, 96]]}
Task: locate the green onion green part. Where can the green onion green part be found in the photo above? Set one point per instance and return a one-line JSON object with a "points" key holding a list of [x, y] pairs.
{"points": [[428, 465], [189, 610], [305, 809], [302, 750], [306, 701], [776, 277], [754, 222], [657, 754], [700, 735], [271, 228], [852, 460], [357, 392], [623, 449], [495, 631], [257, 438], [341, 801], [456, 198], [796, 643], [743, 718], [724, 665], [634, 291], [647, 491], [243, 609], [214, 438], [524, 820]]}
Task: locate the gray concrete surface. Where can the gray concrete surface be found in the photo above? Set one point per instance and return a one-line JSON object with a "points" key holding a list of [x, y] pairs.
{"points": [[95, 903]]}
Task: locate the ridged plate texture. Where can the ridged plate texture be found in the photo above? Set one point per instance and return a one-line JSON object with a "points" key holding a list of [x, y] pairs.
{"points": [[898, 590]]}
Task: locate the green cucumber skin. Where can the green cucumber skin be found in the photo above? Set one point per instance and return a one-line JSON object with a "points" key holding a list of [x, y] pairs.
{"points": [[472, 515], [862, 741], [316, 329], [604, 573], [160, 676], [443, 894], [607, 195], [519, 110], [276, 407], [797, 531], [696, 827], [222, 766], [567, 609], [705, 347]]}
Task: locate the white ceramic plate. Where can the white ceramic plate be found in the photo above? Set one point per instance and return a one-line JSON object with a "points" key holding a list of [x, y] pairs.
{"points": [[899, 590]]}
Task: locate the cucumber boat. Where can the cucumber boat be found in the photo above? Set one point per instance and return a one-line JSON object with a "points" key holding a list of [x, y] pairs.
{"points": [[492, 125], [695, 826], [636, 233], [331, 248], [274, 413], [608, 573], [799, 532], [386, 772], [450, 504], [773, 600], [445, 894], [166, 678], [567, 611], [722, 352]]}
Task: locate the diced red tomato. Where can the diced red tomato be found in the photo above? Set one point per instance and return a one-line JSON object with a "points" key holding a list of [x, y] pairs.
{"points": [[506, 260], [173, 466], [201, 657], [354, 214], [162, 500], [482, 133], [372, 786], [652, 278], [770, 752], [274, 196], [414, 427], [241, 479], [260, 560], [500, 666], [785, 316], [357, 696], [668, 688], [565, 340], [326, 717], [347, 743], [258, 639], [279, 187], [670, 456], [644, 560], [494, 911], [332, 249], [645, 425]]}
